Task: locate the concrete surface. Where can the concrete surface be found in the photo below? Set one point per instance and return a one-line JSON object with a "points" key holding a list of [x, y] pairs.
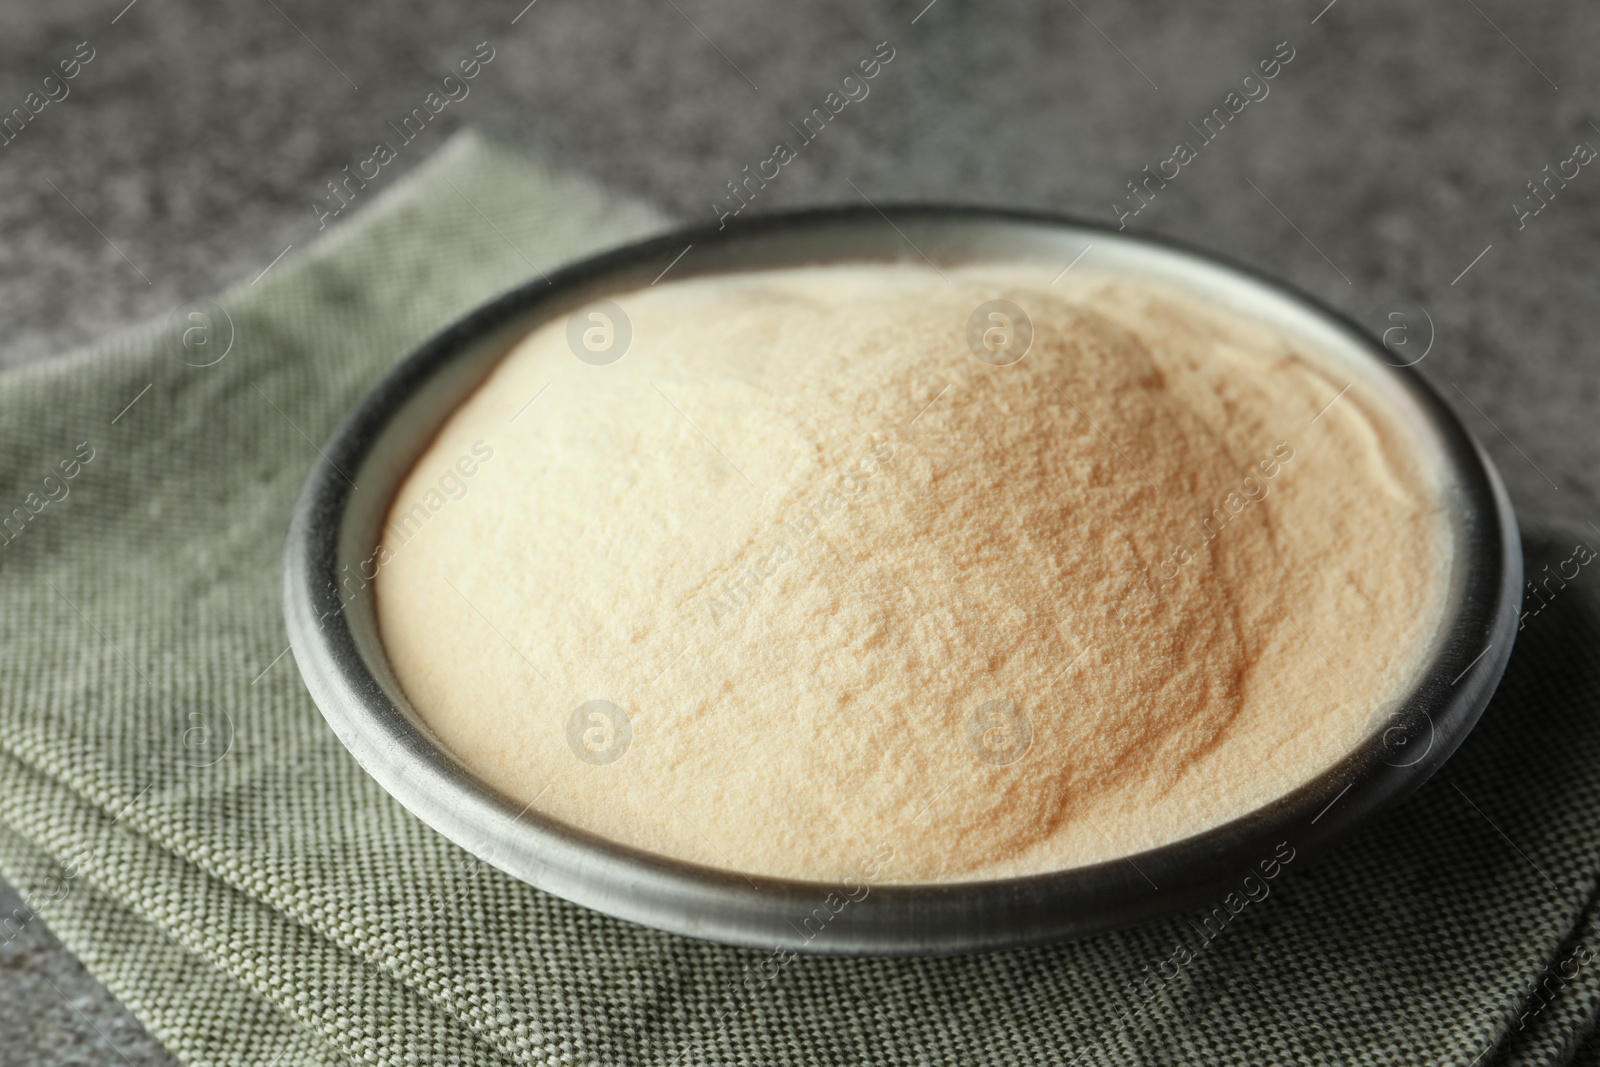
{"points": [[1383, 163]]}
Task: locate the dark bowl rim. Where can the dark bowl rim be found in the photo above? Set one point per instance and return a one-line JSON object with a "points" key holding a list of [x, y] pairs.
{"points": [[887, 919]]}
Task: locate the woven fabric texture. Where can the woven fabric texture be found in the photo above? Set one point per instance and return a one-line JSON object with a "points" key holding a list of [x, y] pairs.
{"points": [[173, 806]]}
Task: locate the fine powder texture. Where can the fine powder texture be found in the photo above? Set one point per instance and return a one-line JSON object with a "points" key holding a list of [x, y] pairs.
{"points": [[806, 581]]}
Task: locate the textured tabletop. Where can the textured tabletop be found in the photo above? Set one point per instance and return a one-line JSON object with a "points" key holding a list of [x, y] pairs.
{"points": [[1384, 168]]}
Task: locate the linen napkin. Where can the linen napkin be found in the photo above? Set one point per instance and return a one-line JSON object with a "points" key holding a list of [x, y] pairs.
{"points": [[174, 808]]}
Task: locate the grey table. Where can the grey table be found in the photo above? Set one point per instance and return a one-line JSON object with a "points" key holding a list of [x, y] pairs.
{"points": [[1381, 172]]}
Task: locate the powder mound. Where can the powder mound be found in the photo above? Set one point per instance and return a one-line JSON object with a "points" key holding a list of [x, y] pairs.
{"points": [[802, 579]]}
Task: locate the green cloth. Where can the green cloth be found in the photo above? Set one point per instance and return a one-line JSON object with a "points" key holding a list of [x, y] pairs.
{"points": [[173, 804]]}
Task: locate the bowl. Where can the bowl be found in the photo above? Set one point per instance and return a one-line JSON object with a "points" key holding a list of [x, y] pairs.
{"points": [[333, 628]]}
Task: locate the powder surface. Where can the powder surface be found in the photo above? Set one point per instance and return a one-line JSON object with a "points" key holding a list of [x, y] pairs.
{"points": [[801, 579]]}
